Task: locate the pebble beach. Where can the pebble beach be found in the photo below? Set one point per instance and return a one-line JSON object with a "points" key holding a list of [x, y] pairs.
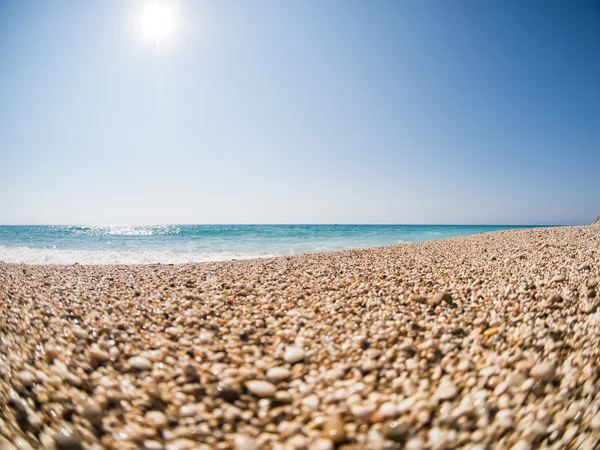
{"points": [[490, 341]]}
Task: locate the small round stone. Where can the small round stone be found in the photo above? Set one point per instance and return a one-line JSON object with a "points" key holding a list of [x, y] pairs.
{"points": [[439, 298], [174, 331], [260, 388], [415, 443], [243, 442], [99, 354], [333, 429], [446, 391], [156, 419], [311, 402], [293, 355], [322, 444], [522, 445], [362, 412], [67, 439], [397, 430], [91, 410], [228, 393], [278, 373], [417, 298], [543, 371], [26, 378], [140, 363], [554, 298]]}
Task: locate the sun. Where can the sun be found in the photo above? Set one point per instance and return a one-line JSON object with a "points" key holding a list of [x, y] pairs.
{"points": [[158, 21]]}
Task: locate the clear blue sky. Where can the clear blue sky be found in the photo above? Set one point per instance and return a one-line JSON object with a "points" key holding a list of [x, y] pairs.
{"points": [[301, 112]]}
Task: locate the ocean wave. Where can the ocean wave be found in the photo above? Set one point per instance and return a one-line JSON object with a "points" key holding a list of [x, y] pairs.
{"points": [[28, 255]]}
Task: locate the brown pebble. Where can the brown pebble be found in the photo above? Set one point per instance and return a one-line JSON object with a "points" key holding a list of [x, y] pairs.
{"points": [[90, 410], [440, 297], [417, 298], [543, 371], [333, 429], [554, 298], [397, 430], [67, 439]]}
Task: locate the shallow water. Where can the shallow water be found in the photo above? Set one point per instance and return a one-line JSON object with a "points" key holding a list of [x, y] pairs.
{"points": [[146, 244]]}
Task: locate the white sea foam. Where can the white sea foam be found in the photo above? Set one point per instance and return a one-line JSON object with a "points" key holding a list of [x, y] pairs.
{"points": [[27, 255]]}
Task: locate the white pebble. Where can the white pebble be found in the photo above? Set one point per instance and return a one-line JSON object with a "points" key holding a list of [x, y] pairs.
{"points": [[415, 443], [293, 355], [261, 388], [243, 442], [362, 412], [156, 419], [140, 363], [322, 444], [446, 390], [311, 402], [278, 373], [522, 445], [174, 331]]}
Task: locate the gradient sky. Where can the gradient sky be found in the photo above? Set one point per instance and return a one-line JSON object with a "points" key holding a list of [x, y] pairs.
{"points": [[301, 112]]}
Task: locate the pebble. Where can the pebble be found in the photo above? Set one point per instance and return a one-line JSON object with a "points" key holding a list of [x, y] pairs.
{"points": [[554, 298], [298, 441], [140, 363], [180, 444], [243, 442], [333, 429], [543, 371], [415, 443], [293, 355], [362, 412], [175, 331], [80, 333], [151, 444], [440, 297], [397, 430], [446, 391], [322, 444], [522, 445], [189, 410], [260, 388], [156, 419], [26, 378], [311, 402], [417, 298], [91, 410], [228, 393], [67, 439], [99, 354], [278, 373], [436, 437], [559, 278]]}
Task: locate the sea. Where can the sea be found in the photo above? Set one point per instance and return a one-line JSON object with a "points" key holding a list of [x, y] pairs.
{"points": [[169, 244]]}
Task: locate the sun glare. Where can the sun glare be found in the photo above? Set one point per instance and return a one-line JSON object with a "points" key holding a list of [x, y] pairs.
{"points": [[158, 21]]}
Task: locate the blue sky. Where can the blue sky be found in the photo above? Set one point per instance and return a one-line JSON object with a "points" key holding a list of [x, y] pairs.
{"points": [[301, 112]]}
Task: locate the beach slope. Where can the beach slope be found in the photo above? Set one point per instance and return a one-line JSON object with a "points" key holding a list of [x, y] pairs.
{"points": [[490, 341]]}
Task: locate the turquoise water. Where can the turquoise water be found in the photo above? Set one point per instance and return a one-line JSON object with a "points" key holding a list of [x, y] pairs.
{"points": [[145, 244]]}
